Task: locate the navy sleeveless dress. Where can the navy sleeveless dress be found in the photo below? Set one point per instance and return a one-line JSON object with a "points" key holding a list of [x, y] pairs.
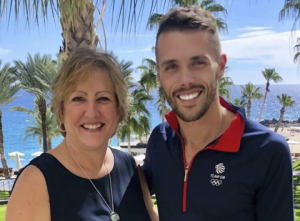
{"points": [[73, 198]]}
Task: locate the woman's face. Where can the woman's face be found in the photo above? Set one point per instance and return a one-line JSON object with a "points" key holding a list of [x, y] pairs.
{"points": [[90, 113]]}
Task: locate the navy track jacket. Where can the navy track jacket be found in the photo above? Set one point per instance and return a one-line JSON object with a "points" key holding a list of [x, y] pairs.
{"points": [[245, 175]]}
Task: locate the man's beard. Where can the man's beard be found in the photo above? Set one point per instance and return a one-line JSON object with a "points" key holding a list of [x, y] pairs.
{"points": [[199, 113]]}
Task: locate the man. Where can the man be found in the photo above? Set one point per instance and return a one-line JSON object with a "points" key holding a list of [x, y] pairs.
{"points": [[208, 162]]}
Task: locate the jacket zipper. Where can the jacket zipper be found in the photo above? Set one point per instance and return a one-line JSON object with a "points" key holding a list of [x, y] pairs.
{"points": [[186, 171]]}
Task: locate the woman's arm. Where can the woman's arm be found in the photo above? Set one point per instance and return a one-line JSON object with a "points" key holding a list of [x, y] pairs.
{"points": [[29, 200], [152, 210]]}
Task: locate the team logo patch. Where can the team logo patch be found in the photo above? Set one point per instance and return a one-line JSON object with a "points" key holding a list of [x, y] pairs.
{"points": [[220, 168], [217, 179], [215, 182]]}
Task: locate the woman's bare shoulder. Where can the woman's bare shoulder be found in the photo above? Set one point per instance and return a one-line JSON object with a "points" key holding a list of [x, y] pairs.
{"points": [[29, 200]]}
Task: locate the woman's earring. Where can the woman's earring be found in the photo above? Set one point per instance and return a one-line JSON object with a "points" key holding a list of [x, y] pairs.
{"points": [[61, 128]]}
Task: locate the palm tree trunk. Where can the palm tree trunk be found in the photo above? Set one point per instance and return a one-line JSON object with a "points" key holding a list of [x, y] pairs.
{"points": [[280, 118], [128, 139], [49, 144], [43, 110], [248, 109], [2, 155], [263, 105], [80, 32]]}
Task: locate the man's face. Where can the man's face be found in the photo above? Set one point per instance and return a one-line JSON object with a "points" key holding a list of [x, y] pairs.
{"points": [[188, 72]]}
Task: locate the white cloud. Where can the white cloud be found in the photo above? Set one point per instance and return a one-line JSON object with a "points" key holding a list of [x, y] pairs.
{"points": [[4, 51], [255, 33], [267, 48], [252, 28], [147, 49], [131, 35]]}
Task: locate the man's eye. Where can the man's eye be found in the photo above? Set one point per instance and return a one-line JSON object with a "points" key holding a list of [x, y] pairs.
{"points": [[198, 63], [77, 99], [169, 67]]}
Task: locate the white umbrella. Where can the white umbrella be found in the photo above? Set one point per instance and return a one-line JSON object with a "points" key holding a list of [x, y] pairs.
{"points": [[13, 154], [36, 154], [292, 143], [140, 158], [18, 162]]}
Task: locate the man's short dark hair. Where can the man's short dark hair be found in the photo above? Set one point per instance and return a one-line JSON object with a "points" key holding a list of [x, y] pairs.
{"points": [[190, 18]]}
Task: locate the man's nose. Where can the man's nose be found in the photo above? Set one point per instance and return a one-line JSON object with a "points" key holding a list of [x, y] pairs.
{"points": [[187, 78]]}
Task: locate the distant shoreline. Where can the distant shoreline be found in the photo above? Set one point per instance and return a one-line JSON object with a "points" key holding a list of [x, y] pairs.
{"points": [[284, 123]]}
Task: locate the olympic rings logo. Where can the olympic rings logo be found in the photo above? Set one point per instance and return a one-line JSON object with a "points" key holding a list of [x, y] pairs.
{"points": [[216, 182]]}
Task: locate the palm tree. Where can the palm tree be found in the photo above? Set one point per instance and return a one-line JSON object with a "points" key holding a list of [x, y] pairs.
{"points": [[162, 111], [35, 130], [224, 82], [36, 76], [149, 82], [137, 121], [239, 103], [127, 73], [209, 5], [297, 55], [270, 75], [77, 18], [8, 89], [249, 93], [285, 101], [291, 9]]}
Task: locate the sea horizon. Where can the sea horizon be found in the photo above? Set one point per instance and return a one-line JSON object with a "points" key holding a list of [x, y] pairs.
{"points": [[14, 123]]}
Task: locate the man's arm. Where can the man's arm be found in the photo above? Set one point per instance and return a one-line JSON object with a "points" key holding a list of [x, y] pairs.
{"points": [[274, 197]]}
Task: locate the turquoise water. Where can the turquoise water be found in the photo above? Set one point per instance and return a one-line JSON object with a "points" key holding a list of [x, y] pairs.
{"points": [[14, 123]]}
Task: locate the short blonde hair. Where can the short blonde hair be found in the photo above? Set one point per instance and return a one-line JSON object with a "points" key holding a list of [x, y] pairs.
{"points": [[76, 68]]}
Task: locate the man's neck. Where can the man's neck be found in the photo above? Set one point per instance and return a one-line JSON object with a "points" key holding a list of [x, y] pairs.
{"points": [[198, 134]]}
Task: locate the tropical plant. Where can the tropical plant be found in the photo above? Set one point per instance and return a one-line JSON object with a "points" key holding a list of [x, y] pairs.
{"points": [[224, 82], [209, 5], [149, 82], [36, 77], [297, 55], [137, 122], [126, 68], [270, 75], [291, 9], [286, 101], [162, 111], [250, 93], [8, 89], [77, 18], [239, 102], [35, 129]]}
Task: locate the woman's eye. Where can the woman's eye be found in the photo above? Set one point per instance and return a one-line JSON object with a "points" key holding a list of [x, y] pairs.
{"points": [[103, 99], [77, 99]]}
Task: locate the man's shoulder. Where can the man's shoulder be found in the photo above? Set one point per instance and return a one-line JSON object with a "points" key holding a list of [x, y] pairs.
{"points": [[162, 128], [263, 138]]}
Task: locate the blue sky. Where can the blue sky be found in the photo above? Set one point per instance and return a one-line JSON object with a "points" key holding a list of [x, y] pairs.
{"points": [[256, 40]]}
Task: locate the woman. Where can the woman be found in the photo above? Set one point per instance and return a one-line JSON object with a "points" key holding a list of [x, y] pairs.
{"points": [[83, 179]]}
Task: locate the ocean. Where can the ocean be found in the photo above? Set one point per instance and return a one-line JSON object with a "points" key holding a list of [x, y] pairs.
{"points": [[15, 123]]}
